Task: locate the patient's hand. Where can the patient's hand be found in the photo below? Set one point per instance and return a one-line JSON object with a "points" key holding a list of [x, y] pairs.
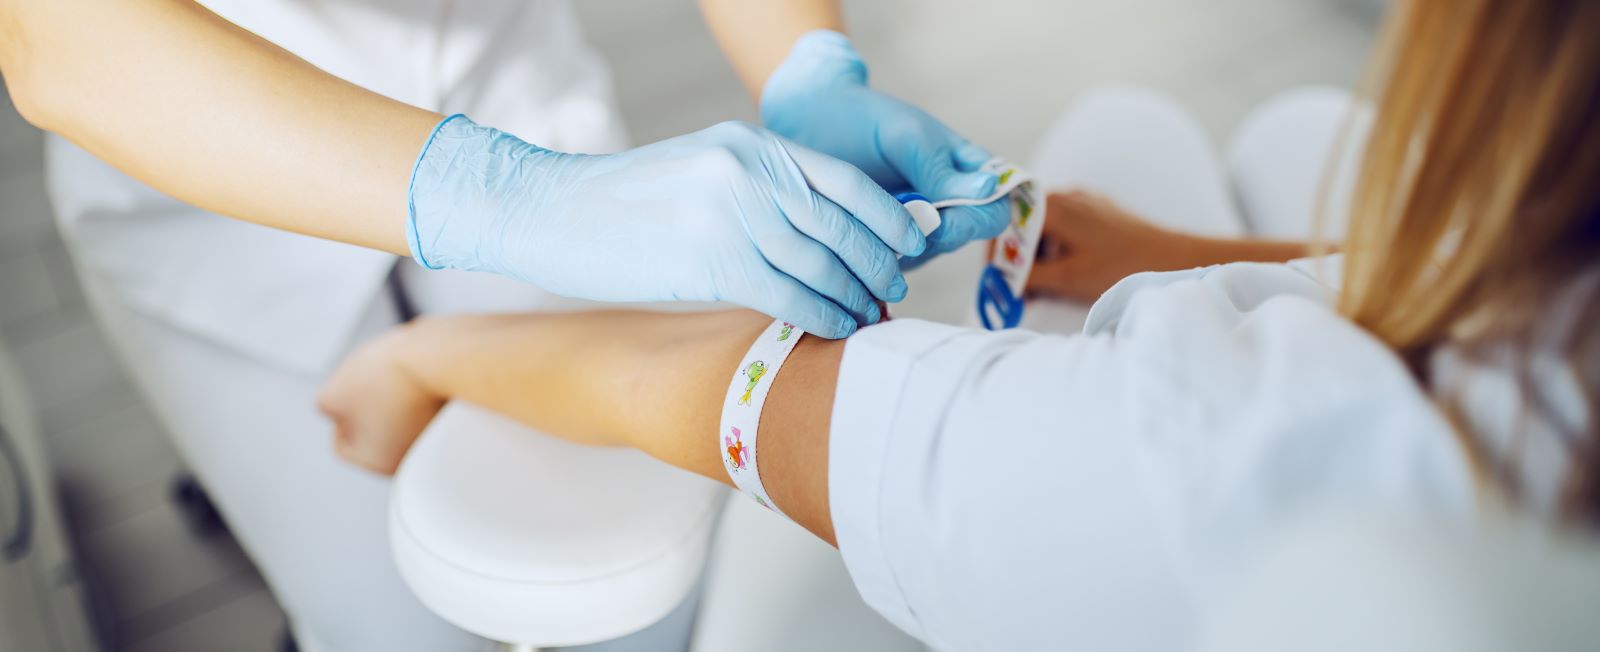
{"points": [[377, 405], [1091, 243]]}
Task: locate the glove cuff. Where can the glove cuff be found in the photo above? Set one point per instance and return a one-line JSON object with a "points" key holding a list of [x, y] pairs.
{"points": [[427, 158], [819, 58], [453, 194]]}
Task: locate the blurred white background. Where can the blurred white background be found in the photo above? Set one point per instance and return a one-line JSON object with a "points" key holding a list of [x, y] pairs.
{"points": [[996, 71]]}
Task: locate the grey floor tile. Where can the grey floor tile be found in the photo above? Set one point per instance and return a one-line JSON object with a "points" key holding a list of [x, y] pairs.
{"points": [[236, 615], [145, 564], [20, 143], [249, 623], [69, 415], [66, 368], [26, 291], [113, 467], [25, 220]]}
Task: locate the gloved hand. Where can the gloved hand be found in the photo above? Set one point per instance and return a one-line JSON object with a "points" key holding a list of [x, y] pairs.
{"points": [[819, 97], [731, 213]]}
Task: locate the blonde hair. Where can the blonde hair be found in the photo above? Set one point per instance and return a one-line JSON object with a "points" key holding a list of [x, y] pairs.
{"points": [[1479, 194]]}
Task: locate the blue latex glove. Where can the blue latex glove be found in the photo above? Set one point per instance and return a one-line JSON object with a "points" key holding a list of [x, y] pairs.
{"points": [[732, 213], [819, 97]]}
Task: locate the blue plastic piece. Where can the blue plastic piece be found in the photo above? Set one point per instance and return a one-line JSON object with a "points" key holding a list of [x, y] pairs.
{"points": [[994, 292]]}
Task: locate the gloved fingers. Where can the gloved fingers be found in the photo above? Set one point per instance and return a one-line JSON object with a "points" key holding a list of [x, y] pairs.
{"points": [[863, 253], [927, 156], [853, 191], [807, 261], [960, 225], [969, 157], [783, 297]]}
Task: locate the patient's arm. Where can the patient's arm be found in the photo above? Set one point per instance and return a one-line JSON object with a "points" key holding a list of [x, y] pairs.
{"points": [[1090, 243], [651, 381]]}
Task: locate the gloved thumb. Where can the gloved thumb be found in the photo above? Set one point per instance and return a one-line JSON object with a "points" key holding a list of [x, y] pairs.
{"points": [[941, 167]]}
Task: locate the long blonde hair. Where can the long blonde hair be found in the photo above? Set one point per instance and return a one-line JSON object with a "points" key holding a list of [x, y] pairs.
{"points": [[1479, 195]]}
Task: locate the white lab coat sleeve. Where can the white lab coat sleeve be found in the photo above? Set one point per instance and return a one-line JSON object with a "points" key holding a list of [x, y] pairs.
{"points": [[982, 484]]}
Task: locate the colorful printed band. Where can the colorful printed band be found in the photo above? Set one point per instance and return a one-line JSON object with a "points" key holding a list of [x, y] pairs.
{"points": [[741, 413], [1006, 276]]}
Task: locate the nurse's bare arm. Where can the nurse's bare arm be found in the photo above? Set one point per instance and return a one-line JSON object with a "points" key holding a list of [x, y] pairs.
{"points": [[209, 113], [757, 36], [650, 381]]}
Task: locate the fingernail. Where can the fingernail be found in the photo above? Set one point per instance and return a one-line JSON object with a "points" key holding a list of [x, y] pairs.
{"points": [[897, 288]]}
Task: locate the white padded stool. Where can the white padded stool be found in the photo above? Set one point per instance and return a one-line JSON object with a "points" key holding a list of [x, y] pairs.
{"points": [[526, 539]]}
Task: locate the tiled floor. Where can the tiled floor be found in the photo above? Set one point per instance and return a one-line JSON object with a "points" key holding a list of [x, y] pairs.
{"points": [[998, 72]]}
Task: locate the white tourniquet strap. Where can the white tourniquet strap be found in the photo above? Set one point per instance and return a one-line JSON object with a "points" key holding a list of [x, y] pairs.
{"points": [[741, 412]]}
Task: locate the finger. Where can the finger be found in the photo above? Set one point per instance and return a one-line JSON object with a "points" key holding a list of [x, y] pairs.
{"points": [[854, 192], [962, 224], [927, 158], [807, 261], [782, 297], [970, 157], [959, 225], [349, 447], [871, 261]]}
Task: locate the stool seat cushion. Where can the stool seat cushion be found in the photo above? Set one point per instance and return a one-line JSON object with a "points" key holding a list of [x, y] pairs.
{"points": [[523, 538]]}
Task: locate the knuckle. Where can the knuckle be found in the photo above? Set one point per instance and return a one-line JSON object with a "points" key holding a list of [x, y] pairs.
{"points": [[897, 131], [739, 131], [824, 272], [881, 268], [719, 160]]}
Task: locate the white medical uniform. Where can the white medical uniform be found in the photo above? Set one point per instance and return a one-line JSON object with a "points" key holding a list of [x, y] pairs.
{"points": [[1100, 491], [229, 327]]}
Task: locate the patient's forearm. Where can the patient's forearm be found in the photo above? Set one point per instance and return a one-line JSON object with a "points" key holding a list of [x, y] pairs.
{"points": [[1202, 251], [652, 381]]}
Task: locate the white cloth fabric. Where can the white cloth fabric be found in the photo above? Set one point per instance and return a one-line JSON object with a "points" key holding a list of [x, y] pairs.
{"points": [[228, 327], [1015, 490]]}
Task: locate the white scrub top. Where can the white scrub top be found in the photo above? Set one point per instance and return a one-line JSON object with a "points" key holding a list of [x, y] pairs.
{"points": [[1017, 491], [290, 300]]}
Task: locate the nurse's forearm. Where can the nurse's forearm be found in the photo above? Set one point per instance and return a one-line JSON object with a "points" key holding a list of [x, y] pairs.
{"points": [[211, 114], [758, 35], [651, 381]]}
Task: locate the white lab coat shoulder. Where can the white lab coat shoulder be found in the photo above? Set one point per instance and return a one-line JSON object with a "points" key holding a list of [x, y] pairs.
{"points": [[1109, 482]]}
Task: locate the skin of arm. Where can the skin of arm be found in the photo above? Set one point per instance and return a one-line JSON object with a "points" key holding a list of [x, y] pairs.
{"points": [[651, 381], [207, 112], [1090, 243], [757, 36]]}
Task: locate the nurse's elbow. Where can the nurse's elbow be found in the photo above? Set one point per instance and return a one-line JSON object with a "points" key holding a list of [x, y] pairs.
{"points": [[16, 67]]}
